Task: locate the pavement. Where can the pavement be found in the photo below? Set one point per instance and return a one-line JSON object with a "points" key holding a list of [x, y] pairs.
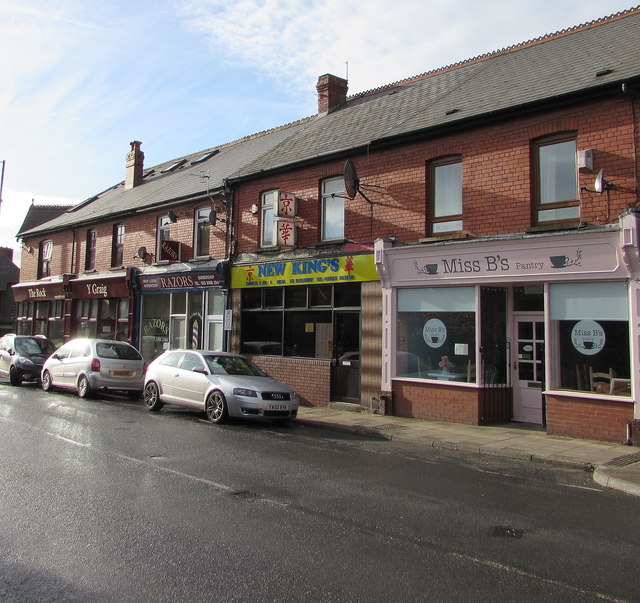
{"points": [[614, 466]]}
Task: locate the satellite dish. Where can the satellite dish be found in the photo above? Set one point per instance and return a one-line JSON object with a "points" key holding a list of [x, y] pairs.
{"points": [[142, 253], [351, 182], [601, 185], [173, 218], [213, 217]]}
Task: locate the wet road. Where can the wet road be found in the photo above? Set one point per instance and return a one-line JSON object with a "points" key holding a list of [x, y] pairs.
{"points": [[104, 501]]}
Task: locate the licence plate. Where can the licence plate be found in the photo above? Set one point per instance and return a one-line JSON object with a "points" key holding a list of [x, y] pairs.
{"points": [[278, 407], [121, 373]]}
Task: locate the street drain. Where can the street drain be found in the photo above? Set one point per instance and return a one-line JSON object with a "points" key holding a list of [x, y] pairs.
{"points": [[245, 494], [507, 532]]}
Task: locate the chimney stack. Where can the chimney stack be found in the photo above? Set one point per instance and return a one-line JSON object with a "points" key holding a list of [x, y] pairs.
{"points": [[332, 91], [134, 166]]}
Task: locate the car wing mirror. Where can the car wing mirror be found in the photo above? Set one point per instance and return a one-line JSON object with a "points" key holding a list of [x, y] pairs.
{"points": [[199, 370]]}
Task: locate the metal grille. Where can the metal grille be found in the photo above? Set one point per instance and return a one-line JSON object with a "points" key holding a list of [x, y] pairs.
{"points": [[496, 392]]}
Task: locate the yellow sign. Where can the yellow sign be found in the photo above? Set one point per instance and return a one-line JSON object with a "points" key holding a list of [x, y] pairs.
{"points": [[341, 269]]}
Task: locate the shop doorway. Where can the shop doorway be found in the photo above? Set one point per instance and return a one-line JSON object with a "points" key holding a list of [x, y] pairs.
{"points": [[345, 369], [528, 367]]}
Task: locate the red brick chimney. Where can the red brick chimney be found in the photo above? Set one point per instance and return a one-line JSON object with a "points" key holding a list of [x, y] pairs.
{"points": [[134, 166], [332, 91]]}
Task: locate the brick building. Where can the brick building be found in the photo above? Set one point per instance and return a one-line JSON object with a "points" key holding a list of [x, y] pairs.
{"points": [[458, 246]]}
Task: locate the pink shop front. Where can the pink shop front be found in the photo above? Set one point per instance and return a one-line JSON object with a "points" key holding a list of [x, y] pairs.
{"points": [[540, 329]]}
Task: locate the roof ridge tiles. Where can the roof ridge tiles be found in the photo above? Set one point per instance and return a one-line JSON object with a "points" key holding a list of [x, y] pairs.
{"points": [[494, 53]]}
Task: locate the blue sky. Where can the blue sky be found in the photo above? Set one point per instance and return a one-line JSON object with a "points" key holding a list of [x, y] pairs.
{"points": [[80, 79]]}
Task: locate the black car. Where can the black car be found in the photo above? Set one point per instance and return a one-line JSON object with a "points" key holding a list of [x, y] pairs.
{"points": [[22, 356]]}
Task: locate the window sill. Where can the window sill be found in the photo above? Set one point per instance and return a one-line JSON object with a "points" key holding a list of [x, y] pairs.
{"points": [[574, 224], [589, 395], [447, 236]]}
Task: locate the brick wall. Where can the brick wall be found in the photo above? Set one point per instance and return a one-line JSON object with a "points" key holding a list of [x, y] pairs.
{"points": [[498, 189], [435, 402], [310, 378], [589, 419]]}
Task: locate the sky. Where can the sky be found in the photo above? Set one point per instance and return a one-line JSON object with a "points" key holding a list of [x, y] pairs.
{"points": [[81, 79]]}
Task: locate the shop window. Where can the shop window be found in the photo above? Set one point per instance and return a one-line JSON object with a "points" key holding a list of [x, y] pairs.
{"points": [[556, 179], [56, 322], [268, 211], [590, 324], [201, 232], [436, 333], [90, 253], [332, 209], [24, 319], [117, 245], [44, 259], [164, 226], [122, 329], [445, 195], [303, 327]]}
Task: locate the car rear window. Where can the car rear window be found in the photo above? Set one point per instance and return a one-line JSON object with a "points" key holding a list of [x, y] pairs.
{"points": [[117, 350]]}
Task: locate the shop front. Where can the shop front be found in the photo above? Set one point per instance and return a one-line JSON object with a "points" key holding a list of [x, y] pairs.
{"points": [[314, 323], [534, 328], [181, 306], [41, 307], [102, 305]]}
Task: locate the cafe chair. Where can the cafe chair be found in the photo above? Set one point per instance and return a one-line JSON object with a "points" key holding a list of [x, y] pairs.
{"points": [[601, 382]]}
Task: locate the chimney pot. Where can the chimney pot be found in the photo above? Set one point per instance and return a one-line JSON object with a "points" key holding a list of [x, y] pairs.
{"points": [[332, 91], [134, 166]]}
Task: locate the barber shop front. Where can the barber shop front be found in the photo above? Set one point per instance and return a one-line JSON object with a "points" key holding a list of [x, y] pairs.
{"points": [[538, 329]]}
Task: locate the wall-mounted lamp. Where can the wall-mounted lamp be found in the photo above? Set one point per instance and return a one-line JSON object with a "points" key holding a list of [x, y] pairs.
{"points": [[255, 209]]}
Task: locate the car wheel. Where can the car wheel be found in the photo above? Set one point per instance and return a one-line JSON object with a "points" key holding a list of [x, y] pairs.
{"points": [[46, 381], [152, 396], [216, 407], [14, 376], [84, 390]]}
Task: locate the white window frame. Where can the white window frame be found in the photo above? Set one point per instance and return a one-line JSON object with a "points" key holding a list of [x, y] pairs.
{"points": [[446, 212], [201, 217], [268, 216], [164, 224], [332, 206]]}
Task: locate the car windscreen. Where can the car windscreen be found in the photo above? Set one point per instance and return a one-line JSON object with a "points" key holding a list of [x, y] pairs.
{"points": [[117, 350], [28, 346], [232, 365]]}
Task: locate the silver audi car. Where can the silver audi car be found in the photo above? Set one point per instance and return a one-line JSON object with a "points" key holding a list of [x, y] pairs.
{"points": [[221, 384]]}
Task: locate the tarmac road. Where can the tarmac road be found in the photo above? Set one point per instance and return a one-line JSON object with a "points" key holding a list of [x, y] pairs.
{"points": [[104, 501]]}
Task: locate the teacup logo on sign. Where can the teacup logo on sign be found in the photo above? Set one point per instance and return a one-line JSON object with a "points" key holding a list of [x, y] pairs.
{"points": [[563, 261], [434, 333], [587, 336]]}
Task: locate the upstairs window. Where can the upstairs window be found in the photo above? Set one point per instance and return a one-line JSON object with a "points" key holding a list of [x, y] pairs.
{"points": [[164, 224], [44, 263], [445, 181], [269, 207], [117, 245], [90, 253], [556, 179], [201, 234], [332, 209]]}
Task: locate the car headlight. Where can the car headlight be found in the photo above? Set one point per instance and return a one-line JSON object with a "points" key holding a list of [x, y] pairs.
{"points": [[25, 363], [243, 391]]}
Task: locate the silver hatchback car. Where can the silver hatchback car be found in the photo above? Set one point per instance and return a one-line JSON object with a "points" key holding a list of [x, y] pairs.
{"points": [[92, 365], [221, 384]]}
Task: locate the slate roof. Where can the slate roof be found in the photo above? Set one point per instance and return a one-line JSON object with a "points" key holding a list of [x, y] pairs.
{"points": [[584, 60], [550, 68], [38, 214]]}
